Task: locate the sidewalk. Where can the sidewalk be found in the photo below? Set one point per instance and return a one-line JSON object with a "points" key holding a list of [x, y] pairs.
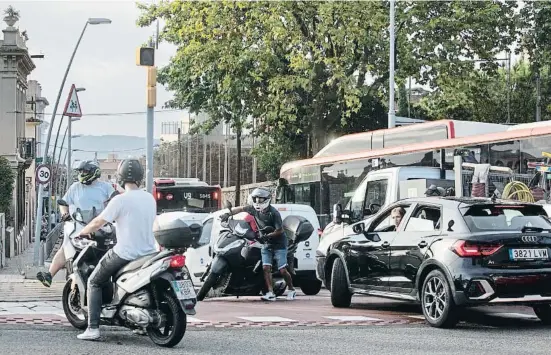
{"points": [[18, 281]]}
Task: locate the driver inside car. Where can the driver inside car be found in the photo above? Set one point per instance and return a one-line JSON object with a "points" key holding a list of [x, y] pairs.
{"points": [[86, 194]]}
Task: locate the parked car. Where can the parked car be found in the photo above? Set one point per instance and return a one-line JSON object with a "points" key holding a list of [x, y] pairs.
{"points": [[304, 258], [447, 253]]}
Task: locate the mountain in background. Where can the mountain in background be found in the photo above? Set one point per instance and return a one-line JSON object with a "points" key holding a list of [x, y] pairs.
{"points": [[122, 146]]}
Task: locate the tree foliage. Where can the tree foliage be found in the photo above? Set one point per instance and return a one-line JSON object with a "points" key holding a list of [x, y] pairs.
{"points": [[6, 185]]}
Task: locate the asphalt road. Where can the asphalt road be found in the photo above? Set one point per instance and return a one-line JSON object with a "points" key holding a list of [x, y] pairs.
{"points": [[403, 340]]}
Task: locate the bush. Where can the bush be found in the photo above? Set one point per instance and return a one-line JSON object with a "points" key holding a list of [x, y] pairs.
{"points": [[6, 185]]}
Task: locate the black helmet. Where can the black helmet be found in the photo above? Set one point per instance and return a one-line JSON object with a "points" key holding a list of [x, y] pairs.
{"points": [[130, 170], [88, 172]]}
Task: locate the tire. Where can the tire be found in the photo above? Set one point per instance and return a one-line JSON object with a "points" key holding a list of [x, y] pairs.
{"points": [[67, 309], [175, 314], [341, 297], [310, 287], [437, 302], [209, 283], [543, 311]]}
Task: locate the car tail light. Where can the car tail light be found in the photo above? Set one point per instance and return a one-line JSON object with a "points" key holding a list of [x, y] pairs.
{"points": [[177, 261], [468, 249]]}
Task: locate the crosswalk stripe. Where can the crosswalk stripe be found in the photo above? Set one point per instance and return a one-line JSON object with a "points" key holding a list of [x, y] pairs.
{"points": [[352, 318], [267, 319]]}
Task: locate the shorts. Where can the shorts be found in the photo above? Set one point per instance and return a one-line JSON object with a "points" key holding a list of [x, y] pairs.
{"points": [[280, 256]]}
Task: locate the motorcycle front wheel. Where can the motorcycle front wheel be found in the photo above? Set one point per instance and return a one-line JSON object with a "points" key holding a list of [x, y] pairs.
{"points": [[174, 325], [209, 283], [71, 307]]}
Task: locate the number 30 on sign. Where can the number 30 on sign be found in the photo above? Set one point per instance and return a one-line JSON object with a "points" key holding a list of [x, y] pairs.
{"points": [[43, 174]]}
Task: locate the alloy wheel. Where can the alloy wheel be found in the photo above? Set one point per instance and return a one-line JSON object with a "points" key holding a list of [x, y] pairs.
{"points": [[435, 298]]}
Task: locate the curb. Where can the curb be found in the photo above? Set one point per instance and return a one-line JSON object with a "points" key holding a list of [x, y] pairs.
{"points": [[59, 321]]}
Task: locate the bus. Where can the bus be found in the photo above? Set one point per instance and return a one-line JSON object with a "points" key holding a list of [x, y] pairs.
{"points": [[188, 195], [324, 181]]}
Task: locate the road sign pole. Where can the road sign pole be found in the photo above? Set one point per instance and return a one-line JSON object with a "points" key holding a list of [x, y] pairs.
{"points": [[69, 152]]}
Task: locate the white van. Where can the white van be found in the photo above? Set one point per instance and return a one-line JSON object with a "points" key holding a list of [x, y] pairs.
{"points": [[305, 258]]}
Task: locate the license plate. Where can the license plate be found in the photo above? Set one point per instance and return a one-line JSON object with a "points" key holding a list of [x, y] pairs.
{"points": [[184, 289], [528, 254]]}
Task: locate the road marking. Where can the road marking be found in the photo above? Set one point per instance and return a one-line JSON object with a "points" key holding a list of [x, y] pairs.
{"points": [[417, 317], [352, 318], [267, 319], [194, 320]]}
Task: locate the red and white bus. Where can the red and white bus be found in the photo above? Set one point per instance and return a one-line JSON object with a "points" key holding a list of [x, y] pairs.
{"points": [[323, 181], [188, 195]]}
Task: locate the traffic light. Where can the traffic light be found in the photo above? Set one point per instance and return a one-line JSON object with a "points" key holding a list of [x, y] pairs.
{"points": [[145, 56]]}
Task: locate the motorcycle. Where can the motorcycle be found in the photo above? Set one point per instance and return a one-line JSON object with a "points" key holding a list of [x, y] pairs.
{"points": [[236, 268], [152, 293]]}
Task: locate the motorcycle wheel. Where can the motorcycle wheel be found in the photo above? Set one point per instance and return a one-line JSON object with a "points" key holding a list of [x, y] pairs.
{"points": [[209, 283], [71, 307], [174, 326]]}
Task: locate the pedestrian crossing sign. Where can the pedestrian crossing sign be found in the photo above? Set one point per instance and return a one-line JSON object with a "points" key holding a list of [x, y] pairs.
{"points": [[72, 107]]}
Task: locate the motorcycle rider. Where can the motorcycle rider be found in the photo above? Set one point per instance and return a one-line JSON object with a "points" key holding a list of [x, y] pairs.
{"points": [[276, 243], [134, 211], [86, 194]]}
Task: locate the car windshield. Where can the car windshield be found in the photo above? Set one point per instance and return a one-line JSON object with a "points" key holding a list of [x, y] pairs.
{"points": [[506, 217]]}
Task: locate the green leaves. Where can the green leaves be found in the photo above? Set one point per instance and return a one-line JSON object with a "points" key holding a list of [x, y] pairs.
{"points": [[6, 185]]}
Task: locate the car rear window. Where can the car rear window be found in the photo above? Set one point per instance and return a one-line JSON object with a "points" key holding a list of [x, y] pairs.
{"points": [[506, 217]]}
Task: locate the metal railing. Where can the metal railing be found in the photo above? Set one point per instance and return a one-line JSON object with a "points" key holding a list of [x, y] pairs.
{"points": [[51, 240]]}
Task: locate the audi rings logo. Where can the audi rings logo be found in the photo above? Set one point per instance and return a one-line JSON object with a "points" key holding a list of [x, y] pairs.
{"points": [[529, 238]]}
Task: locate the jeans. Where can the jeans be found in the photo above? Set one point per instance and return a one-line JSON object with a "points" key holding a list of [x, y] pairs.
{"points": [[280, 256], [106, 268]]}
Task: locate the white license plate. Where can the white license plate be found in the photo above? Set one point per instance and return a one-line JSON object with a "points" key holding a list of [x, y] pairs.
{"points": [[528, 254], [184, 289]]}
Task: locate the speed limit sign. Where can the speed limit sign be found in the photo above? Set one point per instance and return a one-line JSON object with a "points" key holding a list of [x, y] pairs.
{"points": [[43, 174]]}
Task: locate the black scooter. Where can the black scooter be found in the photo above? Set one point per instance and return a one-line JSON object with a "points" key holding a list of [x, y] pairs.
{"points": [[236, 269]]}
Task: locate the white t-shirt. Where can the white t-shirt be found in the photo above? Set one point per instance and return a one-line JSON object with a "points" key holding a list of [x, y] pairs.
{"points": [[86, 197], [134, 211]]}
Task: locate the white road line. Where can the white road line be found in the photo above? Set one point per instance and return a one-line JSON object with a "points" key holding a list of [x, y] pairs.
{"points": [[514, 315], [267, 319], [417, 317], [194, 320], [352, 318]]}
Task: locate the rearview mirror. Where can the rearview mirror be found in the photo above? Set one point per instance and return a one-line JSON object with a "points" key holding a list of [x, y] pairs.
{"points": [[228, 205], [337, 213], [358, 228], [374, 237], [62, 202]]}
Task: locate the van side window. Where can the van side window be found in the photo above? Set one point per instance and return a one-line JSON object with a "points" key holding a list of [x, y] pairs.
{"points": [[376, 194]]}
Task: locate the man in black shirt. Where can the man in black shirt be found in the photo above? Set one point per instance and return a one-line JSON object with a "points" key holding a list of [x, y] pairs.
{"points": [[275, 247]]}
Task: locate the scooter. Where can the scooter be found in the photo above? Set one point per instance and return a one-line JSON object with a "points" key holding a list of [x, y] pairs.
{"points": [[237, 265], [153, 293]]}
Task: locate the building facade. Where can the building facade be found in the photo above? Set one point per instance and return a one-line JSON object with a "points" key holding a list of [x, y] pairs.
{"points": [[20, 150]]}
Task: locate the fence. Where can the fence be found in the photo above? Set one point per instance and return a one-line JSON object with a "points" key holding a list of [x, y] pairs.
{"points": [[228, 193], [497, 181], [2, 240]]}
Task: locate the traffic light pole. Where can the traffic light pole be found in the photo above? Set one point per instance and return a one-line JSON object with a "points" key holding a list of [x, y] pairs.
{"points": [[149, 151]]}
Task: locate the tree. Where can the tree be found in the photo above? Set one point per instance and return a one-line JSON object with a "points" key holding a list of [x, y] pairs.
{"points": [[6, 185]]}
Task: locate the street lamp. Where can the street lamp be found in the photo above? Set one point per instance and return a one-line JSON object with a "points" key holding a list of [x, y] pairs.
{"points": [[40, 204]]}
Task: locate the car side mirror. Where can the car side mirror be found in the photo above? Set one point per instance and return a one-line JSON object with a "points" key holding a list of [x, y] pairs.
{"points": [[374, 237], [358, 228], [228, 205], [337, 213], [450, 225], [62, 202]]}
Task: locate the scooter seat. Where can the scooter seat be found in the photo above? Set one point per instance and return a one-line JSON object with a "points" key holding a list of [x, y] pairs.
{"points": [[135, 264]]}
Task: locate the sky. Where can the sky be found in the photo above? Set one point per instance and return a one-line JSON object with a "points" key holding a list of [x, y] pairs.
{"points": [[104, 63]]}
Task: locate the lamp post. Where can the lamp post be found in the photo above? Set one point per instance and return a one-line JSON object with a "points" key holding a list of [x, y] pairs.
{"points": [[40, 204], [391, 104]]}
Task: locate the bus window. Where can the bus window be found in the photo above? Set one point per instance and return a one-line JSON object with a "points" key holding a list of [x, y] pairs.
{"points": [[196, 199], [532, 150], [506, 154]]}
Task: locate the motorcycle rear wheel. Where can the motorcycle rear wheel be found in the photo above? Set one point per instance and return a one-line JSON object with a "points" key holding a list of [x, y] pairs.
{"points": [[68, 305], [176, 319]]}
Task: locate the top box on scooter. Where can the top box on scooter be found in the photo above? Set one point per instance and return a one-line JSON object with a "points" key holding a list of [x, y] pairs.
{"points": [[297, 228], [174, 233]]}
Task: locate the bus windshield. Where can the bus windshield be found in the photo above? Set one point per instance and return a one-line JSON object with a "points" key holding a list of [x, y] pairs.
{"points": [[196, 199]]}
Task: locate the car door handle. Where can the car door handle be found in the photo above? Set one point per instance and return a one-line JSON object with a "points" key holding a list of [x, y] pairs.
{"points": [[422, 244], [385, 245]]}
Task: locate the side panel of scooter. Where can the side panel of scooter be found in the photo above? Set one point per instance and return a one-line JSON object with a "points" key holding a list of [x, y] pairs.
{"points": [[137, 279]]}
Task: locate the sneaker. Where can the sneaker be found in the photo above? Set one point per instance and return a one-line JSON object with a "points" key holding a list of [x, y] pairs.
{"points": [[45, 278], [291, 295], [139, 332], [89, 334], [269, 297]]}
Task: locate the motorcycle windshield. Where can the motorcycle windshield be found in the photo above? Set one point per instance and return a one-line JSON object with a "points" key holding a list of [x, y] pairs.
{"points": [[84, 216]]}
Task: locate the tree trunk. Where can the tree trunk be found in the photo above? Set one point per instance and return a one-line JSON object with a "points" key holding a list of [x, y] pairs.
{"points": [[238, 174]]}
